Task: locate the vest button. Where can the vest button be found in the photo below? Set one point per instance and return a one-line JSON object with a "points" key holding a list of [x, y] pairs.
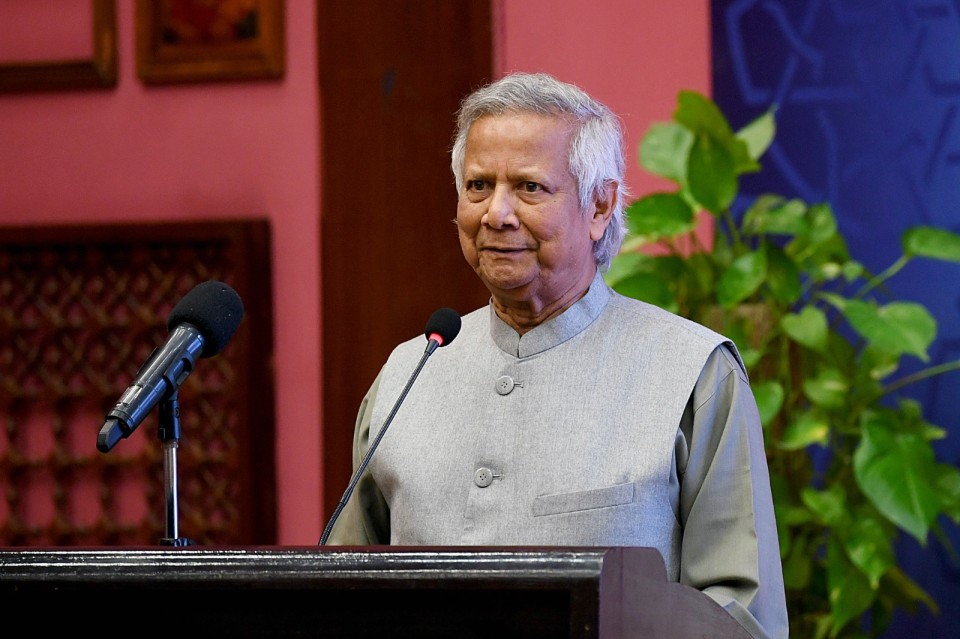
{"points": [[505, 385], [483, 477]]}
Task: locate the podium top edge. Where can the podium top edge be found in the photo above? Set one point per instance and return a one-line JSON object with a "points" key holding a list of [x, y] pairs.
{"points": [[299, 563]]}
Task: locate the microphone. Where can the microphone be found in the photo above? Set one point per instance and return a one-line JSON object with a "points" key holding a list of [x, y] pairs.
{"points": [[442, 327], [201, 324]]}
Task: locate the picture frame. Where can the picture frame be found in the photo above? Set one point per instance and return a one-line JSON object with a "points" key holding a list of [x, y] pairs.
{"points": [[99, 71], [204, 41]]}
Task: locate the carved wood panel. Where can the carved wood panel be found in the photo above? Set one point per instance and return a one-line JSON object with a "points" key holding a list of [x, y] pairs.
{"points": [[81, 308]]}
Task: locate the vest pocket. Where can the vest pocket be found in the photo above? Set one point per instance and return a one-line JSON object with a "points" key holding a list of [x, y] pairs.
{"points": [[617, 495]]}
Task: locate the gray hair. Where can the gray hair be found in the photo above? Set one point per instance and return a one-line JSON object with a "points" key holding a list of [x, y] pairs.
{"points": [[596, 149]]}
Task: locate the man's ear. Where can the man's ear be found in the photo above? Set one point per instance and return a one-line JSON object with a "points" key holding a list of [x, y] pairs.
{"points": [[603, 205]]}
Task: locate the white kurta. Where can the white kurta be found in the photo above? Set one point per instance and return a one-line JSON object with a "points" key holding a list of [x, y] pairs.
{"points": [[613, 424]]}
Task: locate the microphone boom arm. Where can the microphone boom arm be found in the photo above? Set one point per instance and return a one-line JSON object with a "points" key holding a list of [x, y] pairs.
{"points": [[431, 346]]}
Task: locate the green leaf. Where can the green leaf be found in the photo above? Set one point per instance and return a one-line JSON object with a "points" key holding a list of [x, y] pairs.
{"points": [[839, 302], [909, 416], [808, 327], [829, 505], [758, 135], [828, 389], [710, 174], [898, 327], [784, 511], [908, 590], [852, 270], [742, 278], [820, 244], [775, 215], [796, 515], [931, 432], [850, 591], [703, 272], [659, 215], [810, 427], [882, 478], [700, 114], [925, 241], [879, 363], [797, 567], [822, 224], [897, 472], [649, 288], [783, 277], [823, 624], [824, 261], [948, 487], [625, 264], [769, 395], [869, 548], [840, 352], [664, 150], [742, 162]]}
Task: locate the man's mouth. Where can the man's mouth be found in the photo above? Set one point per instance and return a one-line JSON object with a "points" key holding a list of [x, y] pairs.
{"points": [[504, 249]]}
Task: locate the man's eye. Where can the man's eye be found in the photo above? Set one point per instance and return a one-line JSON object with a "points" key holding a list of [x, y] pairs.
{"points": [[475, 185], [532, 187]]}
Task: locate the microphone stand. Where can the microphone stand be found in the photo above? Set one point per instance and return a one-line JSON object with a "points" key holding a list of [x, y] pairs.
{"points": [[169, 434]]}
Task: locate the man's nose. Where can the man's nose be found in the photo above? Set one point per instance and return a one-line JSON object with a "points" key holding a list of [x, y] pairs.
{"points": [[502, 209]]}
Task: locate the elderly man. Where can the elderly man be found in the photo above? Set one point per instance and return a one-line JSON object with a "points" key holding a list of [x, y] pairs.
{"points": [[566, 414]]}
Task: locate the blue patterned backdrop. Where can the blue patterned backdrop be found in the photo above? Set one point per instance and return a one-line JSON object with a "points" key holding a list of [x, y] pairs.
{"points": [[868, 95]]}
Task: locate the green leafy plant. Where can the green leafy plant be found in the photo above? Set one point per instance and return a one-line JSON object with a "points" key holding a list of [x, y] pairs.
{"points": [[851, 459]]}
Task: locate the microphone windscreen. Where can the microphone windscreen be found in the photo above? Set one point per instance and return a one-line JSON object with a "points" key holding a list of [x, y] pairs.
{"points": [[214, 309], [444, 322]]}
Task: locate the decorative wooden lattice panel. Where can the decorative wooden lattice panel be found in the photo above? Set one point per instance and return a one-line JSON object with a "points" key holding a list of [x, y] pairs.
{"points": [[81, 308]]}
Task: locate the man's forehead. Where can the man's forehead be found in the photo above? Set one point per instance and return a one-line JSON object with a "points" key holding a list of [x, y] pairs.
{"points": [[543, 131], [563, 120]]}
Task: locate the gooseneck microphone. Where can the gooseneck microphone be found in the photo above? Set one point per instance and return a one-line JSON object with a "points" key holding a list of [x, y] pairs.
{"points": [[442, 327], [201, 324]]}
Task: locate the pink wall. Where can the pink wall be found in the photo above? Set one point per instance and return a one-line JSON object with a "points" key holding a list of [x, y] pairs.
{"points": [[251, 149], [190, 152], [632, 55]]}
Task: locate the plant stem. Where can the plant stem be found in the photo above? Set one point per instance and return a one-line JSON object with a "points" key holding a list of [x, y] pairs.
{"points": [[733, 230], [921, 375], [892, 270]]}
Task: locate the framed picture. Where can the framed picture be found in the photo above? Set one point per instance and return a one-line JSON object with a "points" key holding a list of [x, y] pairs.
{"points": [[50, 45], [209, 40]]}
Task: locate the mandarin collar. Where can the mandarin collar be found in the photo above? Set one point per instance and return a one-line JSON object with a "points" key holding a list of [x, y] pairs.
{"points": [[554, 331]]}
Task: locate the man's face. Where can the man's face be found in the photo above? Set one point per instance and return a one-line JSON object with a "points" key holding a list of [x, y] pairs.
{"points": [[519, 218]]}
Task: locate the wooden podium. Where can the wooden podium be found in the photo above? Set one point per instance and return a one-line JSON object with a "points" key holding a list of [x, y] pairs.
{"points": [[382, 592]]}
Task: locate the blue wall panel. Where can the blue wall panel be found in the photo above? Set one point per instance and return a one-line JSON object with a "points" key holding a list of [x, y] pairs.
{"points": [[868, 98]]}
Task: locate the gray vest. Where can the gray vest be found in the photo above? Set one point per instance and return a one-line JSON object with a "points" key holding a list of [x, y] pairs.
{"points": [[564, 436]]}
